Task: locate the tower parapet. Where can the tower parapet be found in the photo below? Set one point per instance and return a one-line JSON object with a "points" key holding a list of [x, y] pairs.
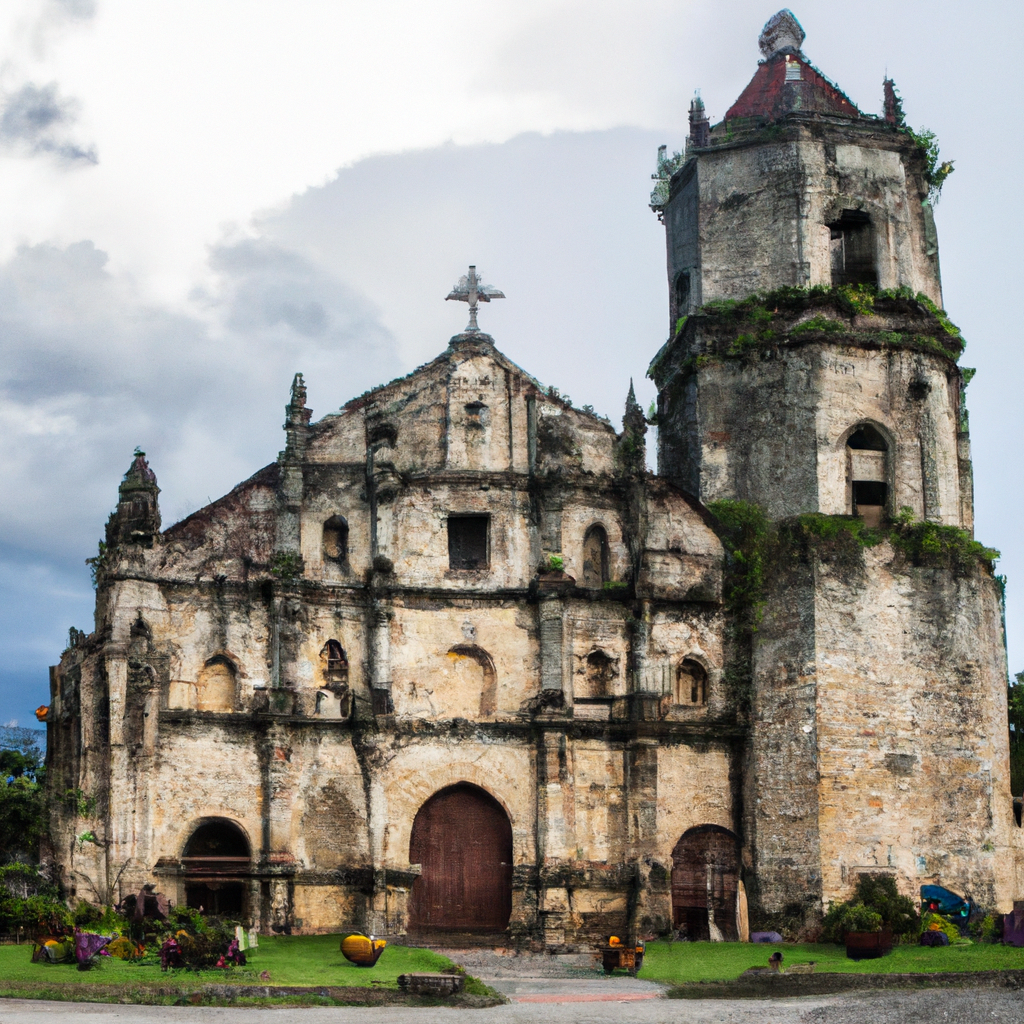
{"points": [[795, 187], [804, 307]]}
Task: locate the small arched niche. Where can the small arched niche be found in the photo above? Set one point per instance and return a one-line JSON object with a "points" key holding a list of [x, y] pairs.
{"points": [[595, 556], [478, 416], [334, 664], [867, 459], [335, 540], [473, 670], [600, 673], [216, 686], [691, 683]]}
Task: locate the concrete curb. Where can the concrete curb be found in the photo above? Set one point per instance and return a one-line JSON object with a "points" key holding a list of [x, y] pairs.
{"points": [[779, 985], [227, 994]]}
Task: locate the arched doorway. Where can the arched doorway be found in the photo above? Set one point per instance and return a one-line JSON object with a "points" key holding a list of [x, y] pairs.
{"points": [[705, 874], [463, 839], [215, 861]]}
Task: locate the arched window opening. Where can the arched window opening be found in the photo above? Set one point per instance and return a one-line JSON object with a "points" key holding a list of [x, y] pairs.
{"points": [[595, 557], [601, 672], [215, 688], [335, 666], [705, 880], [852, 240], [216, 859], [691, 683], [335, 545], [462, 840], [868, 473]]}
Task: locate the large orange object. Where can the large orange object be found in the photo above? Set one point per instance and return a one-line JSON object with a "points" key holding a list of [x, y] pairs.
{"points": [[361, 950]]}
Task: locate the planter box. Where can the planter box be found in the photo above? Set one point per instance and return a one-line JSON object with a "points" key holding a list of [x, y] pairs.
{"points": [[425, 984], [868, 945]]}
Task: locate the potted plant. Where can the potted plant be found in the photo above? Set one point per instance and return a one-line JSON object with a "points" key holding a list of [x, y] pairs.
{"points": [[866, 939]]}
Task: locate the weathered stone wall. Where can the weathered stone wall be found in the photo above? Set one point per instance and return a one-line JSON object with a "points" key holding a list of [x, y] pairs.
{"points": [[911, 691], [752, 214], [772, 427], [879, 739], [197, 697]]}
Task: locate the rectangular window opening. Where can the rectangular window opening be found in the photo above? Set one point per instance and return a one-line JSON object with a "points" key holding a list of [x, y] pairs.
{"points": [[853, 249], [467, 542], [869, 498]]}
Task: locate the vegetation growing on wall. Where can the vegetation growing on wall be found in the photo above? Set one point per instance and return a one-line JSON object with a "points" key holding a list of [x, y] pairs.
{"points": [[286, 565], [761, 313], [98, 563], [765, 319], [756, 547], [936, 171], [746, 535]]}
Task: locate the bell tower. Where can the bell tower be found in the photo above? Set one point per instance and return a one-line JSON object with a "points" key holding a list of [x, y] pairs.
{"points": [[810, 368]]}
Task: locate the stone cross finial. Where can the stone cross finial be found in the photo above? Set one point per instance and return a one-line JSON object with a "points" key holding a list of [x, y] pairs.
{"points": [[781, 32], [472, 290]]}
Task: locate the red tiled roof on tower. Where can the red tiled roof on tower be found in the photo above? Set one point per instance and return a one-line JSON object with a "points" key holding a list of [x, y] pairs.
{"points": [[786, 83]]}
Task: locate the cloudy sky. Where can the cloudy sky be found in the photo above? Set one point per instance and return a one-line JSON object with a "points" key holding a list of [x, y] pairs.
{"points": [[200, 197]]}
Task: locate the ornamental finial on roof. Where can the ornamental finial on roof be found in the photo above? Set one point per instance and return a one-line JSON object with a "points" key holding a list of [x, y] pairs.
{"points": [[781, 32], [472, 290]]}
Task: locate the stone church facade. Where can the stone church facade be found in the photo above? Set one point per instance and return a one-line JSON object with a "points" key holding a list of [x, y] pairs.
{"points": [[458, 663]]}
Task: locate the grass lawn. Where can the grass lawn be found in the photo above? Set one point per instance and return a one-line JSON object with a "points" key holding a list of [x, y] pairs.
{"points": [[681, 962], [290, 960]]}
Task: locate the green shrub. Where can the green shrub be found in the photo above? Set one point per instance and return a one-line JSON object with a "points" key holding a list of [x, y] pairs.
{"points": [[899, 913], [876, 897], [86, 915], [849, 917], [188, 919], [937, 923], [987, 929], [30, 901]]}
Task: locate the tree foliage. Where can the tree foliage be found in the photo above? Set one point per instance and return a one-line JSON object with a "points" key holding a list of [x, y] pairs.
{"points": [[22, 802], [1015, 706]]}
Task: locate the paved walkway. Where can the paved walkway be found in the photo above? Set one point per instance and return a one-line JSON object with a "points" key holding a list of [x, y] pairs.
{"points": [[546, 978]]}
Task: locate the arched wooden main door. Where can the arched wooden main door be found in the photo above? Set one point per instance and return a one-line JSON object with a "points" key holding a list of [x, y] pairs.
{"points": [[705, 869], [463, 839]]}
